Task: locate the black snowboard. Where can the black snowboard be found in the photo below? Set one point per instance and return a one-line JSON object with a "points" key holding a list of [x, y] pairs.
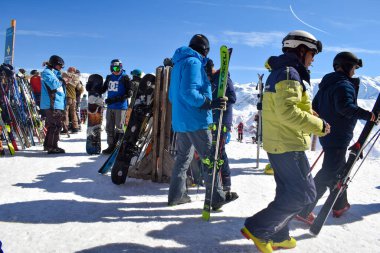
{"points": [[137, 131], [95, 113]]}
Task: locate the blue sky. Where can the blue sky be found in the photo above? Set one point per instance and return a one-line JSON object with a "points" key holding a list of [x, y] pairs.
{"points": [[89, 34]]}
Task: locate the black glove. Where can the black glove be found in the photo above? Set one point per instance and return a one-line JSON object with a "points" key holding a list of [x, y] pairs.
{"points": [[354, 149], [129, 93], [216, 104]]}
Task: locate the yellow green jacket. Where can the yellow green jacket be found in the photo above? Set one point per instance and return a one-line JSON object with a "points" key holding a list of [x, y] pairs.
{"points": [[288, 120]]}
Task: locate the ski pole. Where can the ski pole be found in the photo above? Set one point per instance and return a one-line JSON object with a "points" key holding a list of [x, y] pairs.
{"points": [[315, 162]]}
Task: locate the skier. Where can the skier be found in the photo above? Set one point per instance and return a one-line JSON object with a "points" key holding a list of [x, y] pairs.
{"points": [[118, 89], [72, 84], [53, 97], [336, 101], [287, 124], [226, 123], [191, 98], [240, 129], [35, 84], [136, 79]]}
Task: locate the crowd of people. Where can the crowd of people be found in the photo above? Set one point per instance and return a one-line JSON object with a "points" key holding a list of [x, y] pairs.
{"points": [[289, 117]]}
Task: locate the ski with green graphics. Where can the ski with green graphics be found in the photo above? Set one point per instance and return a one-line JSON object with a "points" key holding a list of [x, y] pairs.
{"points": [[225, 54]]}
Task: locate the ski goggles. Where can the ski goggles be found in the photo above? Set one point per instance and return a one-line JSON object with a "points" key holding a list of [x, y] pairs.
{"points": [[115, 68]]}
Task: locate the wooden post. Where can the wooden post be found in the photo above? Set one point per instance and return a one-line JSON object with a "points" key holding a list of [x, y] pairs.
{"points": [[156, 123]]}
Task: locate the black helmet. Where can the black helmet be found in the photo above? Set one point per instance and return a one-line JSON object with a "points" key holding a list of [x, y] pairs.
{"points": [[34, 72], [346, 60], [116, 65], [209, 66], [200, 43], [56, 60]]}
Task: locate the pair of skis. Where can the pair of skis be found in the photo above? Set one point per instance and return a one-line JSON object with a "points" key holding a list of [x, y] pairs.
{"points": [[225, 54], [344, 177]]}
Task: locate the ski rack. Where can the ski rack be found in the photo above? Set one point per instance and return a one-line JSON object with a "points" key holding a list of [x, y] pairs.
{"points": [[163, 159]]}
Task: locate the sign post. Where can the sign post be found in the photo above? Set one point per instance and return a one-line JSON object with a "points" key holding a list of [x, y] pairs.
{"points": [[10, 43]]}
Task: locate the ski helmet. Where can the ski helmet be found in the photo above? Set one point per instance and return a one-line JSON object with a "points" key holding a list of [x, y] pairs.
{"points": [[299, 37], [34, 72], [56, 60], [116, 65], [346, 60], [136, 72], [200, 43]]}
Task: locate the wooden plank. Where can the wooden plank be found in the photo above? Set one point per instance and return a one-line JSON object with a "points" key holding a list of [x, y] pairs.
{"points": [[156, 122], [164, 101]]}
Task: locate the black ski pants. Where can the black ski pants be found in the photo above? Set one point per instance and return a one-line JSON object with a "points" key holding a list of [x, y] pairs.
{"points": [[333, 161]]}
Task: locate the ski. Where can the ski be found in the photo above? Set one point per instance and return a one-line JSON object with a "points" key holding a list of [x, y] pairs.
{"points": [[344, 177], [259, 130], [225, 54]]}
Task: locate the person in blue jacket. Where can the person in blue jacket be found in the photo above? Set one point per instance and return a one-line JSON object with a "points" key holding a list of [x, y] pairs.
{"points": [[118, 89], [336, 102], [226, 122], [53, 97], [191, 98]]}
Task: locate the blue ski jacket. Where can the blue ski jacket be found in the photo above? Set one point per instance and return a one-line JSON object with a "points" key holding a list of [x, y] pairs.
{"points": [[53, 92], [117, 86], [189, 87], [336, 102]]}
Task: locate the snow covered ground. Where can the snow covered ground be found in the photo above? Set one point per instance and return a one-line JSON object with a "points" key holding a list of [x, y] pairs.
{"points": [[59, 203]]}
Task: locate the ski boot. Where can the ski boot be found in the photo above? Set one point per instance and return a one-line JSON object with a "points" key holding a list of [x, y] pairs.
{"points": [[262, 245], [286, 244], [340, 212]]}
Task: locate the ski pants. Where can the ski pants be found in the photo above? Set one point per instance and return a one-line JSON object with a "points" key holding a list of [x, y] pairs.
{"points": [[115, 122], [71, 113], [333, 161], [294, 190], [53, 125], [201, 140]]}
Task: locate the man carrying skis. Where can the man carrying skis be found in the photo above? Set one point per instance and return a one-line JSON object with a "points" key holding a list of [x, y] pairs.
{"points": [[118, 89], [287, 124], [336, 101], [226, 124], [191, 98]]}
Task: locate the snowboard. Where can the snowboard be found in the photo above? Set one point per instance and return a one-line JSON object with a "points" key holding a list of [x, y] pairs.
{"points": [[108, 164], [95, 114], [138, 131]]}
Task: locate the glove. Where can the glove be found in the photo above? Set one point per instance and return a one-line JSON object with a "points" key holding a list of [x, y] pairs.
{"points": [[129, 94], [326, 127], [216, 104], [375, 118], [354, 149]]}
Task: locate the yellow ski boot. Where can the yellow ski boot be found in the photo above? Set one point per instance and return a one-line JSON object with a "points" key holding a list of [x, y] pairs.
{"points": [[261, 245]]}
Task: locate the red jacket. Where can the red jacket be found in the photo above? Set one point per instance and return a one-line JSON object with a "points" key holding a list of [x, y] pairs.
{"points": [[240, 127], [35, 82]]}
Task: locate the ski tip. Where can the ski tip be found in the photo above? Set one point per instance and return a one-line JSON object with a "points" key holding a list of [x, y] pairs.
{"points": [[205, 215]]}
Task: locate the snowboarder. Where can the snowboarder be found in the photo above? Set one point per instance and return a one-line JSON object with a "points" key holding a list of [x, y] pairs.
{"points": [[336, 101], [53, 97], [191, 98], [240, 129], [118, 89], [287, 124]]}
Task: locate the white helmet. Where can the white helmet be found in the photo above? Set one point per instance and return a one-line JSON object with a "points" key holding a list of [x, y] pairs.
{"points": [[299, 37]]}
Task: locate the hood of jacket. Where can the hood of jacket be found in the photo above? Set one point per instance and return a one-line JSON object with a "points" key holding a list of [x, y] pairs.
{"points": [[289, 60], [186, 52]]}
